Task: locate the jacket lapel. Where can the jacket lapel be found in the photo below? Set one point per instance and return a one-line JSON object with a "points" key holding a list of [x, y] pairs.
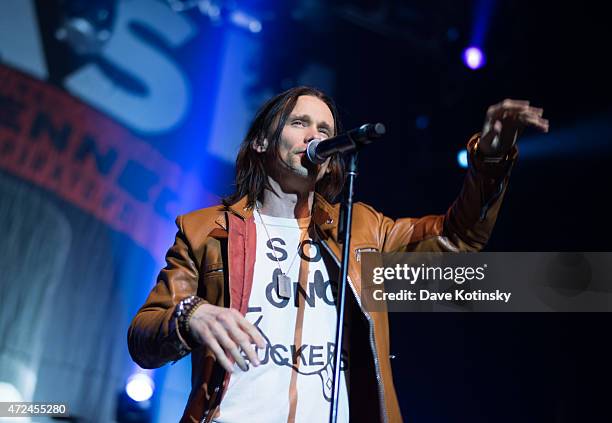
{"points": [[242, 246]]}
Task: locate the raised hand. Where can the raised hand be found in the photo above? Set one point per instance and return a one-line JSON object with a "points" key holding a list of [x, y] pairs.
{"points": [[504, 123]]}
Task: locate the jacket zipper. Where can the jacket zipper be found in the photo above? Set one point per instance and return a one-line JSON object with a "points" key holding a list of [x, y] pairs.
{"points": [[485, 208], [381, 391]]}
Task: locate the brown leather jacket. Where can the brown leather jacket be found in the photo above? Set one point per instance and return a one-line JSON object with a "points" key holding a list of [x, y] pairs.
{"points": [[214, 254]]}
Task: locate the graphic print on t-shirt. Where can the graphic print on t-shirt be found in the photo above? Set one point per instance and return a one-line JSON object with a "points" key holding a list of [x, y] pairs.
{"points": [[313, 359], [294, 381]]}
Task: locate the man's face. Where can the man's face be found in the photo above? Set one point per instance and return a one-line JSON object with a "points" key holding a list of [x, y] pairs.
{"points": [[310, 119]]}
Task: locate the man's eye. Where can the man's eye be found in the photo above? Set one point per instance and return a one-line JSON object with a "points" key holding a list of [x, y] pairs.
{"points": [[298, 122]]}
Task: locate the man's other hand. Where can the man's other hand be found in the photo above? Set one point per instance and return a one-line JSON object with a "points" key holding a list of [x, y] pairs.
{"points": [[504, 123], [225, 331]]}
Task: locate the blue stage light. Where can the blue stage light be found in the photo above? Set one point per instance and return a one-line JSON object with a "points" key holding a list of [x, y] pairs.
{"points": [[462, 158], [422, 122], [245, 21], [474, 58]]}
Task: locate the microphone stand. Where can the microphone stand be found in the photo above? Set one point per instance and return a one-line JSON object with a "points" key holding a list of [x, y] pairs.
{"points": [[344, 233]]}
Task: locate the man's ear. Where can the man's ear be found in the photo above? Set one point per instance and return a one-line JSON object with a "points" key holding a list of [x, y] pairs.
{"points": [[260, 145]]}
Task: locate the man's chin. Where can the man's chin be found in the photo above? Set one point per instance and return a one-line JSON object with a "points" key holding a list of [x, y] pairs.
{"points": [[302, 172], [298, 171]]}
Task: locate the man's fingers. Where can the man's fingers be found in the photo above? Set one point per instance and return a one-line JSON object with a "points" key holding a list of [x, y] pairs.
{"points": [[508, 114], [535, 121], [243, 339], [511, 108], [507, 104], [511, 103], [532, 111], [212, 343], [229, 345], [247, 347], [253, 332], [240, 326], [503, 112]]}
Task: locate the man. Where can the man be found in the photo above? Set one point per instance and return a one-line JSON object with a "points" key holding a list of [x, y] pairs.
{"points": [[258, 320]]}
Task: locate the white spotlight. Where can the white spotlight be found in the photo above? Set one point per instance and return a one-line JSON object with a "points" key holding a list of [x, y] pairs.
{"points": [[474, 58], [140, 387]]}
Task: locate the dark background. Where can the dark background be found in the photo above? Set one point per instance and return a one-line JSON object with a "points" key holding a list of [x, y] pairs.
{"points": [[488, 367]]}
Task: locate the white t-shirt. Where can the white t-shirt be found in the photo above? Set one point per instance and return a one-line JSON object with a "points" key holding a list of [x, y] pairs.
{"points": [[294, 381]]}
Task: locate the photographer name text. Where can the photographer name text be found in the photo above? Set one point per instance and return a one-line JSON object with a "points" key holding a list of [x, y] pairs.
{"points": [[427, 295]]}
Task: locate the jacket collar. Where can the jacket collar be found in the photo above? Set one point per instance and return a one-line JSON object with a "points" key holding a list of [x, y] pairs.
{"points": [[325, 215], [241, 209]]}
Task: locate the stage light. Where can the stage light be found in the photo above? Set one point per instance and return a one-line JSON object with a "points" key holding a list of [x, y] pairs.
{"points": [[462, 158], [86, 26], [219, 12], [422, 122], [242, 20], [140, 387], [473, 58], [134, 403], [452, 34]]}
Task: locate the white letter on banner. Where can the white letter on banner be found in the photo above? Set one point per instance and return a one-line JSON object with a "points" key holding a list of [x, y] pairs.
{"points": [[20, 42], [168, 92]]}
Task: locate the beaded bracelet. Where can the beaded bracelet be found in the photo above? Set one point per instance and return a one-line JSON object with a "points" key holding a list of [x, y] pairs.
{"points": [[185, 309]]}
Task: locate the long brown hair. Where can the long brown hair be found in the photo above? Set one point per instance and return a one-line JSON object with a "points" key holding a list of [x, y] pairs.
{"points": [[251, 175]]}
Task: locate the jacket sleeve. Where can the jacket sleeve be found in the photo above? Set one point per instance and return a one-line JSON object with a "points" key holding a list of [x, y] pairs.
{"points": [[153, 336], [468, 223]]}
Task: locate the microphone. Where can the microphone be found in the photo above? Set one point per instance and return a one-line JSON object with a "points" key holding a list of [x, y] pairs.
{"points": [[319, 150]]}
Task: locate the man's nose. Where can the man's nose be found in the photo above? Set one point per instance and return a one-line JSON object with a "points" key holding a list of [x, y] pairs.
{"points": [[310, 135]]}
